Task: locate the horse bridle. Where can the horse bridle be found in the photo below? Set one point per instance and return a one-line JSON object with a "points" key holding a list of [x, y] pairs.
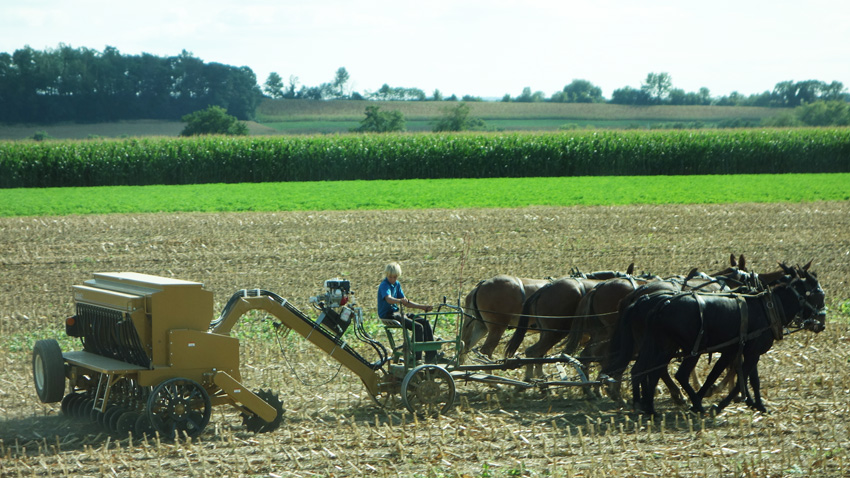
{"points": [[809, 316]]}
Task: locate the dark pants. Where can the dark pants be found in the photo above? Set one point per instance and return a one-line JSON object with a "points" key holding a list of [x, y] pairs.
{"points": [[421, 333]]}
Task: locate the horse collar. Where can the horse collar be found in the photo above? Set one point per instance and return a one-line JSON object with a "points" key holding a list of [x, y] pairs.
{"points": [[775, 314]]}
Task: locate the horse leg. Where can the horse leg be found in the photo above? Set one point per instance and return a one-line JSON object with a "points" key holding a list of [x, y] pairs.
{"points": [[751, 369], [724, 363], [650, 383], [637, 379], [586, 358], [740, 387], [718, 368], [494, 334], [675, 393], [645, 376], [683, 375], [544, 344]]}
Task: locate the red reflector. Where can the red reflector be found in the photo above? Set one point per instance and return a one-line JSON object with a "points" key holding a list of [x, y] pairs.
{"points": [[70, 321]]}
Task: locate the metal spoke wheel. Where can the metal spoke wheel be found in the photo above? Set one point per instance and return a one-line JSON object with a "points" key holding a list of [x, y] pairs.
{"points": [[179, 405], [256, 424], [428, 390], [48, 370]]}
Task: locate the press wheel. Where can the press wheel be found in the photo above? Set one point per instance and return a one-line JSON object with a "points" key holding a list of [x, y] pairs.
{"points": [[256, 424], [428, 390], [179, 405], [127, 423]]}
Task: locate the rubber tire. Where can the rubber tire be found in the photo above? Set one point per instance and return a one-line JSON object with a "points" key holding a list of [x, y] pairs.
{"points": [[48, 371]]}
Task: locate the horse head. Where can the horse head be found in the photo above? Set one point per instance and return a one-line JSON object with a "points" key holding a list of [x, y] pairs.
{"points": [[810, 296]]}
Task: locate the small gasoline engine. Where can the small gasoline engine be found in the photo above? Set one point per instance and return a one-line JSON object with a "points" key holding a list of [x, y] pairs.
{"points": [[336, 306]]}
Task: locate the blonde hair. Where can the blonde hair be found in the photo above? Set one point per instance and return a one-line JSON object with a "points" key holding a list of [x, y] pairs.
{"points": [[393, 268]]}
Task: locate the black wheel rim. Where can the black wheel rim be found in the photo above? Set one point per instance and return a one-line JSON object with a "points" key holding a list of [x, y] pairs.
{"points": [[179, 406]]}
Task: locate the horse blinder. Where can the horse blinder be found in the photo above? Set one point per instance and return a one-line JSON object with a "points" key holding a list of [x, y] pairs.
{"points": [[811, 303]]}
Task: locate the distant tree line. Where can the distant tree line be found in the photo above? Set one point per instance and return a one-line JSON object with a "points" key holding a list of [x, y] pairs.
{"points": [[85, 85], [656, 89], [80, 84]]}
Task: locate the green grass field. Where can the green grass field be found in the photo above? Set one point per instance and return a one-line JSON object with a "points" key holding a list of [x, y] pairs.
{"points": [[338, 116], [306, 116], [427, 194]]}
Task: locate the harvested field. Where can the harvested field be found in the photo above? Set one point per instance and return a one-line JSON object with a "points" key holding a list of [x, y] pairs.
{"points": [[332, 428]]}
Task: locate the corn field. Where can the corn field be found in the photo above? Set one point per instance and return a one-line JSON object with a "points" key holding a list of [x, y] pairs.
{"points": [[216, 159]]}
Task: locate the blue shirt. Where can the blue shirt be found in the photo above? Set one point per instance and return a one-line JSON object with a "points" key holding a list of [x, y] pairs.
{"points": [[385, 309]]}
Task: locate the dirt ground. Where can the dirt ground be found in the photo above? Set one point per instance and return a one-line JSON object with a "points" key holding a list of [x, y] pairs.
{"points": [[332, 428]]}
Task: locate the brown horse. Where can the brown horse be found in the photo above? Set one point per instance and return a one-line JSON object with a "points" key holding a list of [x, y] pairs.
{"points": [[553, 307], [491, 307]]}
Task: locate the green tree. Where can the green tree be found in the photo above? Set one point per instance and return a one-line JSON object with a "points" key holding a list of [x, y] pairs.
{"points": [[785, 120], [377, 121], [458, 118], [630, 96], [438, 96], [528, 97], [291, 90], [580, 91], [832, 91], [274, 86], [340, 80], [824, 113], [213, 120], [657, 86]]}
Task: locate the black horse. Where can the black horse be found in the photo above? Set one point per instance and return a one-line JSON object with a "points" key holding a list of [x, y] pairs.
{"points": [[738, 326]]}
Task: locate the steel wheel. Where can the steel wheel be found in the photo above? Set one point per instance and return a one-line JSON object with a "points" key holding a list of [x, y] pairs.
{"points": [[179, 405], [127, 423], [143, 426], [68, 403], [428, 390], [48, 370], [256, 424]]}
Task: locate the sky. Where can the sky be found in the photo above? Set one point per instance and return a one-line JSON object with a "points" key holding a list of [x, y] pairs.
{"points": [[485, 48]]}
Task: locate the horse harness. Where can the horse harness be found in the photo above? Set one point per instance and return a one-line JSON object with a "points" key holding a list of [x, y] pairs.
{"points": [[773, 310]]}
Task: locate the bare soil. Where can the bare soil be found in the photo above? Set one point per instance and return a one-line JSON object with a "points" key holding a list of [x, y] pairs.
{"points": [[332, 428]]}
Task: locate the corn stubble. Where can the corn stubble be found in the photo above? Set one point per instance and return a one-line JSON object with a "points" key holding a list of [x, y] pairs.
{"points": [[332, 428]]}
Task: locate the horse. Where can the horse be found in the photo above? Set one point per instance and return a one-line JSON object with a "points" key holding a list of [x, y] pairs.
{"points": [[495, 304], [596, 319], [553, 307], [491, 307], [737, 325], [600, 325], [595, 314]]}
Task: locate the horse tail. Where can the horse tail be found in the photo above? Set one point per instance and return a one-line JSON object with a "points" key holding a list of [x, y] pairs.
{"points": [[622, 347], [522, 324], [579, 325], [474, 310]]}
